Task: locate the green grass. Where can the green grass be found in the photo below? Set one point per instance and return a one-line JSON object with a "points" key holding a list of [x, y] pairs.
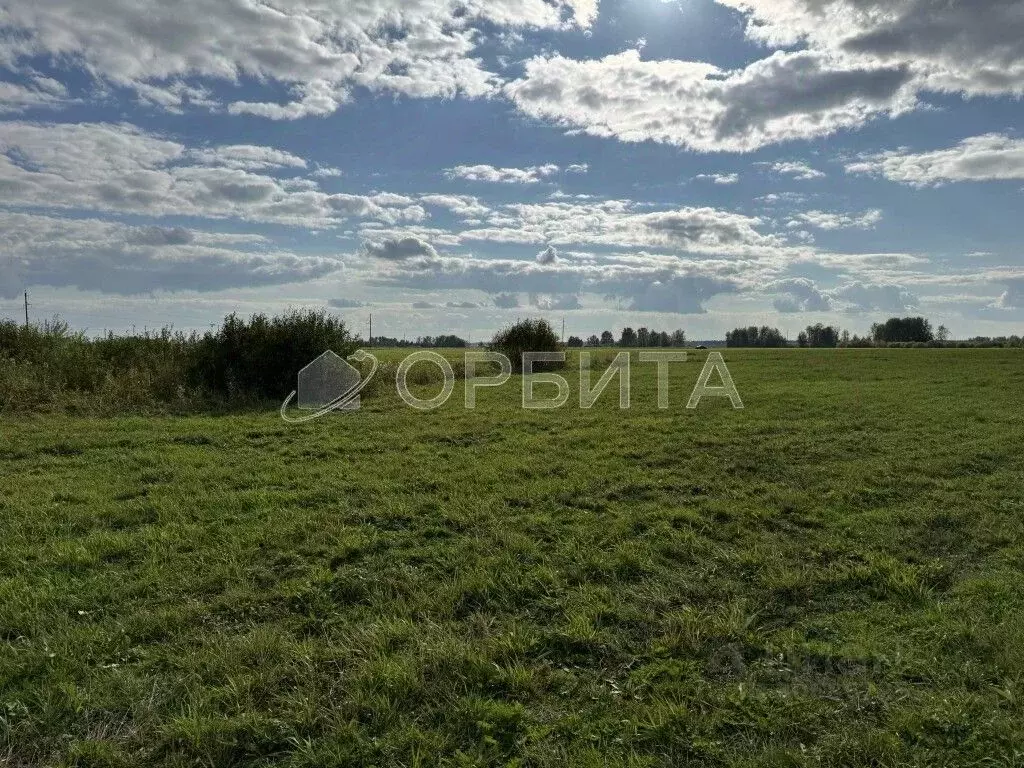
{"points": [[832, 576]]}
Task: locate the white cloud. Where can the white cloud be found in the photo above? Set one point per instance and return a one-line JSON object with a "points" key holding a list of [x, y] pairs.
{"points": [[556, 302], [1013, 296], [798, 295], [719, 178], [494, 175], [797, 169], [622, 223], [327, 172], [247, 157], [643, 287], [317, 51], [992, 157], [45, 93], [118, 259], [864, 297], [972, 47], [831, 221], [409, 250], [462, 206], [788, 95], [548, 256], [122, 169], [506, 301]]}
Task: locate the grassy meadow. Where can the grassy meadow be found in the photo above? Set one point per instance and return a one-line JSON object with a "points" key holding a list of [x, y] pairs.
{"points": [[832, 576]]}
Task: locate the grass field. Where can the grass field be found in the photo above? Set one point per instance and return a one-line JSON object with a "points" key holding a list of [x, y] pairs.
{"points": [[832, 576]]}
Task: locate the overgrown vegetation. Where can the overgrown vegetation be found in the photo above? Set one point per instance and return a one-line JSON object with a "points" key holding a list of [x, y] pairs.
{"points": [[528, 335], [833, 576], [51, 367]]}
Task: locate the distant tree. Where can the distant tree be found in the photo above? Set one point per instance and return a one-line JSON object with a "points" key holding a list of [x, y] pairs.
{"points": [[607, 339], [593, 341], [664, 340], [574, 341], [449, 341], [643, 338], [801, 339], [942, 333], [628, 338], [844, 340], [902, 330], [678, 338], [822, 336], [755, 337]]}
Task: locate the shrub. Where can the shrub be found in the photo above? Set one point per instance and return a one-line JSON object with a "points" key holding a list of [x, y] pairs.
{"points": [[48, 367], [259, 358], [527, 336]]}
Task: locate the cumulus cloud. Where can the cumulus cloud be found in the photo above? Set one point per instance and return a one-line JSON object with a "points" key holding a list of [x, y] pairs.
{"points": [[345, 303], [160, 236], [679, 294], [316, 52], [655, 285], [719, 178], [548, 256], [974, 48], [1013, 296], [830, 221], [797, 169], [506, 300], [624, 223], [788, 95], [45, 92], [798, 295], [114, 258], [247, 157], [552, 303], [462, 206], [868, 297], [123, 169], [411, 250], [489, 173], [992, 157]]}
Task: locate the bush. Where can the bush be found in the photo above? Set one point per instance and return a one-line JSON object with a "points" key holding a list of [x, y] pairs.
{"points": [[258, 359], [527, 336], [49, 367]]}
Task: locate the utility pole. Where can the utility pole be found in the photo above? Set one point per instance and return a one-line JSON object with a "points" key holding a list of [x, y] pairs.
{"points": [[26, 309]]}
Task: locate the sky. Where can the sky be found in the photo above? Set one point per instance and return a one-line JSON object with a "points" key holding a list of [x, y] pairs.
{"points": [[452, 165]]}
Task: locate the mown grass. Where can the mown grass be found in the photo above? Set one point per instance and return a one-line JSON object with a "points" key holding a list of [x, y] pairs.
{"points": [[832, 576]]}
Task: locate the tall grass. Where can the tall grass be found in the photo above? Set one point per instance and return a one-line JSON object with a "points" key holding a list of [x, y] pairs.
{"points": [[49, 367]]}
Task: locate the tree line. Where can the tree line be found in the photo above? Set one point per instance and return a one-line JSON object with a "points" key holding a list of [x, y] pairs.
{"points": [[641, 337], [449, 341], [896, 331]]}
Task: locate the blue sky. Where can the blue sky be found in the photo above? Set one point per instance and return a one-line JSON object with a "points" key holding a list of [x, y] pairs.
{"points": [[452, 165]]}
